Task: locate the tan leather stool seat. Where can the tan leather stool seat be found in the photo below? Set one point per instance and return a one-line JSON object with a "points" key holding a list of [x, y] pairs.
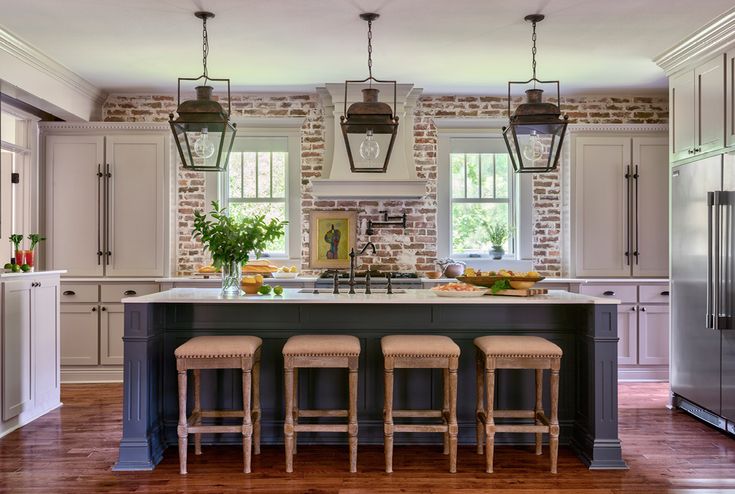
{"points": [[322, 345], [219, 346], [517, 346], [419, 346]]}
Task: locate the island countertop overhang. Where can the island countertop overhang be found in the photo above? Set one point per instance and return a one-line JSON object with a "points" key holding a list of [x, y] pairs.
{"points": [[298, 296]]}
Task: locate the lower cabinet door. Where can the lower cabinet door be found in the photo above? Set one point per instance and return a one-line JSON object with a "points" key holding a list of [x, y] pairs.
{"points": [[628, 334], [653, 336], [17, 348], [79, 334], [112, 325], [46, 343]]}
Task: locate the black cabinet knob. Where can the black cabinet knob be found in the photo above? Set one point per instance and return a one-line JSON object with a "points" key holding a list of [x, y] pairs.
{"points": [[69, 292], [643, 309], [665, 293], [608, 293], [104, 309], [94, 309]]}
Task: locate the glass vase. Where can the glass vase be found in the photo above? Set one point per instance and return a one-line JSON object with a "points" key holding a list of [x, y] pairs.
{"points": [[231, 275]]}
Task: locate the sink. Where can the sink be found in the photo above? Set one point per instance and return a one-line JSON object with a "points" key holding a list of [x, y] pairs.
{"points": [[344, 291]]}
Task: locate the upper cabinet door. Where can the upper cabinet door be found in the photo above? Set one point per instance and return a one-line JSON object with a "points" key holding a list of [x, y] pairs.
{"points": [[650, 212], [135, 217], [602, 202], [681, 111], [730, 98], [710, 105], [74, 208]]}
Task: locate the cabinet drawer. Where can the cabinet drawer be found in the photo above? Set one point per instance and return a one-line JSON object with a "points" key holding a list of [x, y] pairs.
{"points": [[624, 293], [654, 294], [79, 292], [117, 292]]}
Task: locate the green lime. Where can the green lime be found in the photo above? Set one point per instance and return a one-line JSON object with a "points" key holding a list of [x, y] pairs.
{"points": [[8, 266], [25, 268], [15, 268], [278, 290], [264, 290]]}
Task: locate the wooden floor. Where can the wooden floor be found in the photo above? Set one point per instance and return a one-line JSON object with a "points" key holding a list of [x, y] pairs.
{"points": [[72, 449]]}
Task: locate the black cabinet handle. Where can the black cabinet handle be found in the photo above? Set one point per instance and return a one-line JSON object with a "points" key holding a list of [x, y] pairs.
{"points": [[643, 309], [608, 293], [665, 293], [633, 308], [69, 292], [94, 309], [104, 309], [130, 292]]}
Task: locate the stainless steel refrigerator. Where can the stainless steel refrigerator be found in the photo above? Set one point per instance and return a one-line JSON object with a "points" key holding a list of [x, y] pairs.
{"points": [[702, 289]]}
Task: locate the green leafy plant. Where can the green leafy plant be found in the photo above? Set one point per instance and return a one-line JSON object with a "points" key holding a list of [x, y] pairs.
{"points": [[16, 239], [500, 285], [231, 239], [498, 233], [35, 238]]}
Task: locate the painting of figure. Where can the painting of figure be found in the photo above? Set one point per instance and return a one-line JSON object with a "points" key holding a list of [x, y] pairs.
{"points": [[332, 237]]}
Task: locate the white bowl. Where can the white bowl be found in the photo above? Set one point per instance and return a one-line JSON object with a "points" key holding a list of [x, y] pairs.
{"points": [[282, 275]]}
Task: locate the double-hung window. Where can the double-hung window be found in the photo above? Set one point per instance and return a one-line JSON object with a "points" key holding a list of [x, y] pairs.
{"points": [[17, 144]]}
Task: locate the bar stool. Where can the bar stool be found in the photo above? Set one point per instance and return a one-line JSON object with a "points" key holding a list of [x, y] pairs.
{"points": [[516, 352], [220, 352], [319, 351], [421, 352]]}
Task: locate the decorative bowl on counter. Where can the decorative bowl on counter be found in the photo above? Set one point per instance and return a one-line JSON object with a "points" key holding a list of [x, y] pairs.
{"points": [[433, 275], [458, 290], [250, 284], [517, 282], [284, 275]]}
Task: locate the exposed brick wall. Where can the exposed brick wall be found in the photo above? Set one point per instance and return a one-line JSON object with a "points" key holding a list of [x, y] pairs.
{"points": [[414, 247]]}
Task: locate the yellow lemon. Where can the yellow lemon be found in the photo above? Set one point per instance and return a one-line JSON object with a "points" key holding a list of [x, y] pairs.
{"points": [[293, 269], [259, 278]]}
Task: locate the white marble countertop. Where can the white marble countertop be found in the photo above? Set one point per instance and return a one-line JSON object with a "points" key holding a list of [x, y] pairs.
{"points": [[217, 278], [56, 272], [582, 281], [294, 295]]}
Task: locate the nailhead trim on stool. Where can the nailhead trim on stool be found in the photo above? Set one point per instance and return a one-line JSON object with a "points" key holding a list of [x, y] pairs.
{"points": [[220, 352]]}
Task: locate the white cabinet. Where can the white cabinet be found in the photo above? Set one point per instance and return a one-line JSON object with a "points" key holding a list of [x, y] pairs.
{"points": [[112, 322], [621, 206], [730, 98], [79, 334], [30, 348], [697, 109], [653, 335], [628, 334], [106, 204]]}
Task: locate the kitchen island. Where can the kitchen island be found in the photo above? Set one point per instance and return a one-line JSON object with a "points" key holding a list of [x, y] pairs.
{"points": [[584, 327]]}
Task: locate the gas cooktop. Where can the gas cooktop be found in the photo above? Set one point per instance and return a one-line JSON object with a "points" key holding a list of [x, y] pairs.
{"points": [[373, 274]]}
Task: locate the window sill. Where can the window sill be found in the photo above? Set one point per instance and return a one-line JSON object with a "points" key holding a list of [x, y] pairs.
{"points": [[488, 263]]}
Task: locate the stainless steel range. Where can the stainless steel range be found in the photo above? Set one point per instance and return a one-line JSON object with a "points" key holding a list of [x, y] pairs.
{"points": [[378, 279]]}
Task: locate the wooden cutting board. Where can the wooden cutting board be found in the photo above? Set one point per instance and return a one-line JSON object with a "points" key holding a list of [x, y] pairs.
{"points": [[526, 292]]}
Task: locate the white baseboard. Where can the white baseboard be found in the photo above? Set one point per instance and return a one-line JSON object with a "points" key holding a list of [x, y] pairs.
{"points": [[91, 375], [643, 374], [24, 419]]}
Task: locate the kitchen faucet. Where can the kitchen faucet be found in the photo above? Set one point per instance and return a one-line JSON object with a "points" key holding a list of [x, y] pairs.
{"points": [[352, 282]]}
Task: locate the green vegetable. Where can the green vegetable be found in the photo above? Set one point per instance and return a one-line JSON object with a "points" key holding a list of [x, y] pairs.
{"points": [[500, 285], [25, 268], [497, 233], [8, 266], [15, 268], [264, 290], [231, 239], [35, 238], [16, 240], [278, 290]]}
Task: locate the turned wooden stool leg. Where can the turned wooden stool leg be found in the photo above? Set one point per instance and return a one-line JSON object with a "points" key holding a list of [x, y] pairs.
{"points": [[388, 416], [554, 421], [479, 407], [256, 408], [453, 428], [445, 408], [197, 410], [247, 425], [288, 422], [489, 420], [352, 414], [295, 406], [539, 409], [182, 429]]}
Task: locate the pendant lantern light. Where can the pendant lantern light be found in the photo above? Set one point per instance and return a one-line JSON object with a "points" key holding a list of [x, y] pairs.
{"points": [[535, 133], [369, 127], [203, 132]]}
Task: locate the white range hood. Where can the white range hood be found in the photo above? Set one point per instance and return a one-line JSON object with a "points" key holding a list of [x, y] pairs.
{"points": [[338, 181]]}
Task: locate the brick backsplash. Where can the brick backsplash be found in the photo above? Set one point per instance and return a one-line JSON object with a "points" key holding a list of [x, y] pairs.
{"points": [[413, 248]]}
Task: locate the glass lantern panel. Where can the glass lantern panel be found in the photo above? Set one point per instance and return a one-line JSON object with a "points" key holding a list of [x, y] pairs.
{"points": [[369, 151], [534, 146]]}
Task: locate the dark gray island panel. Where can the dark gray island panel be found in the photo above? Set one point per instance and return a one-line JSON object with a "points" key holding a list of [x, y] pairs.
{"points": [[587, 333]]}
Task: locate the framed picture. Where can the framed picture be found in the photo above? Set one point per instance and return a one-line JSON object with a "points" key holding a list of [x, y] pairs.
{"points": [[332, 235]]}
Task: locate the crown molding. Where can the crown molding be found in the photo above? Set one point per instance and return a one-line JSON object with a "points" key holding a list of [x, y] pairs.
{"points": [[33, 57], [712, 38], [102, 126], [633, 128]]}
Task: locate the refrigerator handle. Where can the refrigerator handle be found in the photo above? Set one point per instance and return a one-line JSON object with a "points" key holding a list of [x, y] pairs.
{"points": [[627, 205], [710, 310], [717, 299]]}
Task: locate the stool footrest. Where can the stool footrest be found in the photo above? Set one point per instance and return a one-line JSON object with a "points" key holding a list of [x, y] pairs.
{"points": [[322, 413], [418, 413], [197, 429], [514, 414], [420, 428], [321, 427], [520, 428]]}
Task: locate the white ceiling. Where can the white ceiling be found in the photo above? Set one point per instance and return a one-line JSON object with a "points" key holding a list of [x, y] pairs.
{"points": [[444, 46]]}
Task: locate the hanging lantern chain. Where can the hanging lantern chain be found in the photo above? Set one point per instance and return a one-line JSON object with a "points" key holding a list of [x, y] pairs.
{"points": [[205, 48], [533, 54], [370, 51]]}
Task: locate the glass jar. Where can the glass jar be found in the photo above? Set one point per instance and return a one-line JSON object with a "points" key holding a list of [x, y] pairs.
{"points": [[231, 275]]}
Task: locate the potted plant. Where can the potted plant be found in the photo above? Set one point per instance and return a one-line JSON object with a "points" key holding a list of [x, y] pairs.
{"points": [[35, 238], [498, 234], [230, 241], [16, 239]]}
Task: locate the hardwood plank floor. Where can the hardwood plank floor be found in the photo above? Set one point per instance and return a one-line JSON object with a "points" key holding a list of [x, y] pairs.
{"points": [[71, 450]]}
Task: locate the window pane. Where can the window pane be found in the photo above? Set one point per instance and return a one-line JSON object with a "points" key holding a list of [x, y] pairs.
{"points": [[469, 225], [473, 175], [264, 174], [235, 175], [502, 176], [457, 165], [248, 172], [488, 179], [270, 210], [279, 174]]}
